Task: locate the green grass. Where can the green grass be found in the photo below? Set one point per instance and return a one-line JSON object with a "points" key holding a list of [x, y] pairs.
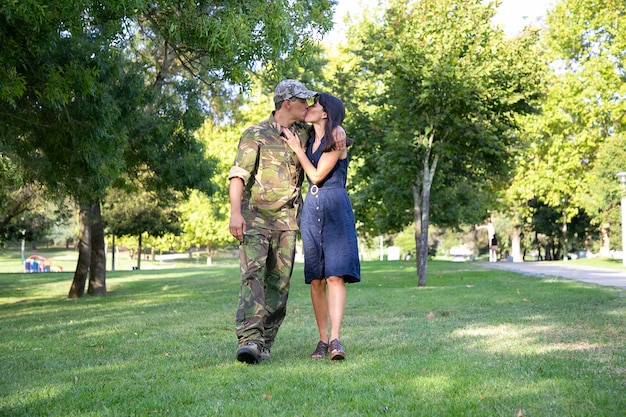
{"points": [[474, 342], [610, 263]]}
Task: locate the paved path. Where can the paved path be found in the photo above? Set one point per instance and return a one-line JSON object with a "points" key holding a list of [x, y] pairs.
{"points": [[594, 275]]}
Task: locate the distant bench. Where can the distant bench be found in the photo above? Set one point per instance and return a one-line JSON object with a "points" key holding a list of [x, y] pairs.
{"points": [[173, 256], [461, 254]]}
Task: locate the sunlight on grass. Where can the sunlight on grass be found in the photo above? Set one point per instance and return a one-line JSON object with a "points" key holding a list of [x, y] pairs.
{"points": [[433, 385], [520, 340], [618, 312], [472, 343]]}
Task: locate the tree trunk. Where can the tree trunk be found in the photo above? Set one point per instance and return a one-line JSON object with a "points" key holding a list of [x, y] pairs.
{"points": [[112, 252], [421, 211], [139, 253], [97, 272], [417, 216], [77, 290], [421, 236]]}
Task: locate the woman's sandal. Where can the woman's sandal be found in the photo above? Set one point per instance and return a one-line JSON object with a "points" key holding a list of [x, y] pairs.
{"points": [[336, 350], [320, 350]]}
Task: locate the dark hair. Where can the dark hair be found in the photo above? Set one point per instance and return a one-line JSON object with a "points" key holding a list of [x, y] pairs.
{"points": [[336, 112]]}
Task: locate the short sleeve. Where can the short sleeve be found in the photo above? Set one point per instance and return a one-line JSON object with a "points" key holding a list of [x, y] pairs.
{"points": [[246, 158]]}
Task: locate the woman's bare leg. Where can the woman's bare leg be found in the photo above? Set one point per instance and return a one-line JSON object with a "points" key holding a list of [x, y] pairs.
{"points": [[320, 307], [336, 304]]}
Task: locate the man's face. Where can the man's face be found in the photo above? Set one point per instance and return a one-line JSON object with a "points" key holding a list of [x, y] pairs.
{"points": [[299, 108]]}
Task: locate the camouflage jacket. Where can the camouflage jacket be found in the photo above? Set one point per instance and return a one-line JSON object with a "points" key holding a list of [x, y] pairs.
{"points": [[272, 175]]}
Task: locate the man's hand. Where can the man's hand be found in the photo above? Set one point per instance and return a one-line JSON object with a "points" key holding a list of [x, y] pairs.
{"points": [[237, 226], [339, 134]]}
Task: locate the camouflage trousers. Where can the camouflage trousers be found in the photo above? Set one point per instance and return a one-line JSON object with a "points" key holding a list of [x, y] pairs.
{"points": [[266, 261]]}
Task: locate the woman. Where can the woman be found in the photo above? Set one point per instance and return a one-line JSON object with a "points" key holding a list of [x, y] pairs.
{"points": [[331, 257]]}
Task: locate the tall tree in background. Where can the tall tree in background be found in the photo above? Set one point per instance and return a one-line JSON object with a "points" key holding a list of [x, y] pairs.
{"points": [[18, 200], [446, 87], [66, 112], [139, 211], [27, 212], [575, 145]]}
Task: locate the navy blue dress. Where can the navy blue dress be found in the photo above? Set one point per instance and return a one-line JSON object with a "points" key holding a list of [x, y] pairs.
{"points": [[327, 227]]}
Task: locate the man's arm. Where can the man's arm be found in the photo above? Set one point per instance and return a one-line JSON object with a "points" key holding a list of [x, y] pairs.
{"points": [[237, 222]]}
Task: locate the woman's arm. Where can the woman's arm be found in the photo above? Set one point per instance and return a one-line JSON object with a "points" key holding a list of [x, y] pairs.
{"points": [[327, 161]]}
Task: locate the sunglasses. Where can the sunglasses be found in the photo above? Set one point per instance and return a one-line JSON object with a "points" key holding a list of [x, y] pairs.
{"points": [[309, 101]]}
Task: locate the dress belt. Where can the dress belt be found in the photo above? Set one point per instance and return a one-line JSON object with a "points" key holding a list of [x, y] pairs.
{"points": [[314, 189]]}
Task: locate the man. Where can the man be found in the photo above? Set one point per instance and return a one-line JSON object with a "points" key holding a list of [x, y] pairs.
{"points": [[265, 199]]}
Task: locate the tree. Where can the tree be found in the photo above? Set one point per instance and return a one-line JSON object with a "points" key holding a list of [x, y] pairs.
{"points": [[603, 201], [27, 211], [447, 87], [204, 218], [137, 212], [71, 106], [16, 199], [572, 148], [94, 90]]}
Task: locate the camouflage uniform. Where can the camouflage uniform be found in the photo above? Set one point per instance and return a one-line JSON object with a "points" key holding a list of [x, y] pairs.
{"points": [[271, 205]]}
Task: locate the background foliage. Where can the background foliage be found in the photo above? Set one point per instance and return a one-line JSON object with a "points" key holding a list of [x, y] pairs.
{"points": [[98, 95]]}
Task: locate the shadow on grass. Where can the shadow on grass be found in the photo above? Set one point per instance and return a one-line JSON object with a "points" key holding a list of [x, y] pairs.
{"points": [[473, 343]]}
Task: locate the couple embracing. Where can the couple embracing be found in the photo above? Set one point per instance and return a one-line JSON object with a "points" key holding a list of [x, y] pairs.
{"points": [[266, 203]]}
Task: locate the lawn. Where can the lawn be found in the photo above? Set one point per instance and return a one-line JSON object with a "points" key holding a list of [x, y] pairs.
{"points": [[474, 342]]}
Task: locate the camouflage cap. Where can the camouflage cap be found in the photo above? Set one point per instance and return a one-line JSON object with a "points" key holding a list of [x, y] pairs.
{"points": [[291, 88]]}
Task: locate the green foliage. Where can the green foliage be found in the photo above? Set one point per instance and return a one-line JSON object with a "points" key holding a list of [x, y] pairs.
{"points": [[224, 40], [445, 85], [69, 117], [96, 89], [603, 199], [573, 147], [205, 218], [549, 222], [205, 221], [133, 213], [26, 212]]}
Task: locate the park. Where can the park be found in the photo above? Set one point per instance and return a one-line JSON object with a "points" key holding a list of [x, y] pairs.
{"points": [[474, 342], [473, 149], [457, 127]]}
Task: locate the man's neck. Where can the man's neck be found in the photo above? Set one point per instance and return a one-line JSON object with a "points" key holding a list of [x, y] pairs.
{"points": [[283, 118]]}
